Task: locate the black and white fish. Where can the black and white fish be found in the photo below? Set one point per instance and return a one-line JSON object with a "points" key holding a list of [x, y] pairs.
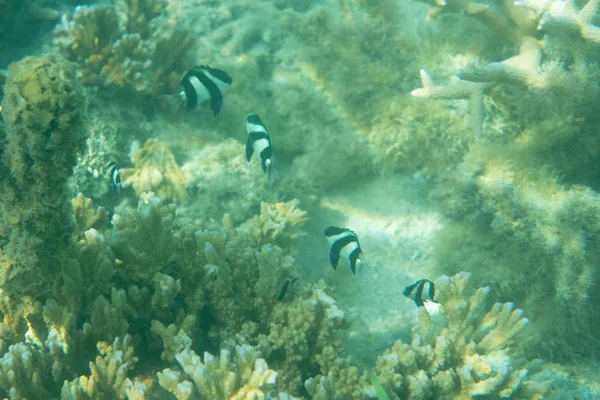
{"points": [[285, 288], [420, 291], [201, 83], [259, 141], [343, 243], [115, 177]]}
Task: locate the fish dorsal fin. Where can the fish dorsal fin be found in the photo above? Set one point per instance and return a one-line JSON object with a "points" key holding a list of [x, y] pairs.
{"points": [[354, 259]]}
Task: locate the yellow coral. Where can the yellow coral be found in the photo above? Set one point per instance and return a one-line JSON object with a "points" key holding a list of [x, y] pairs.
{"points": [[277, 222], [155, 169]]}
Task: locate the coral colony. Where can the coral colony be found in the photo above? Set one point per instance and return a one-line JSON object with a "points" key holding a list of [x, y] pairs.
{"points": [[145, 254]]}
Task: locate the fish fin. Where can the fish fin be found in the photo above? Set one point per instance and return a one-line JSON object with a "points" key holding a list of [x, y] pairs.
{"points": [[361, 265], [171, 102], [272, 174], [216, 105], [263, 165], [419, 303], [249, 148], [334, 258], [354, 260]]}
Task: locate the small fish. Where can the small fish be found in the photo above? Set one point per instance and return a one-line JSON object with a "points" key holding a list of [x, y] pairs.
{"points": [[343, 242], [259, 141], [285, 288], [115, 177], [420, 291], [201, 83]]}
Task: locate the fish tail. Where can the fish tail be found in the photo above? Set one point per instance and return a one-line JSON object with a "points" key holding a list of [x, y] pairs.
{"points": [[171, 102]]}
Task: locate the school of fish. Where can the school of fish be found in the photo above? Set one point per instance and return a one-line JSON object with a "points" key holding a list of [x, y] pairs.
{"points": [[204, 84]]}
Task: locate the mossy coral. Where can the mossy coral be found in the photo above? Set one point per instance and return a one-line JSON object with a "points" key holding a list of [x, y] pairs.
{"points": [[44, 112]]}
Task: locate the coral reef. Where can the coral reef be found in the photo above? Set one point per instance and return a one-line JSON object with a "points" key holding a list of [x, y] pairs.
{"points": [[174, 292], [44, 110]]}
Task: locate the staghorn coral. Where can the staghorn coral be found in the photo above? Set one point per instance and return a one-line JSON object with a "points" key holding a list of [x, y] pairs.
{"points": [[86, 217], [166, 287], [44, 116], [22, 374], [296, 338], [239, 279], [156, 170]]}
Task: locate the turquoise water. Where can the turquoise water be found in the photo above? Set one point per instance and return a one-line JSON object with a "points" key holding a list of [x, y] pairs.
{"points": [[168, 170]]}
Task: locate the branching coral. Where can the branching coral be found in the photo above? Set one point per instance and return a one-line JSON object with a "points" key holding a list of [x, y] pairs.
{"points": [[244, 377], [531, 157], [155, 170], [114, 46], [143, 238], [474, 354], [307, 326], [22, 373], [108, 377]]}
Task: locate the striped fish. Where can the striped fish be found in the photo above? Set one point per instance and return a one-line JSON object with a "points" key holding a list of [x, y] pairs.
{"points": [[200, 84], [115, 177], [343, 243], [420, 291], [285, 288], [259, 141]]}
